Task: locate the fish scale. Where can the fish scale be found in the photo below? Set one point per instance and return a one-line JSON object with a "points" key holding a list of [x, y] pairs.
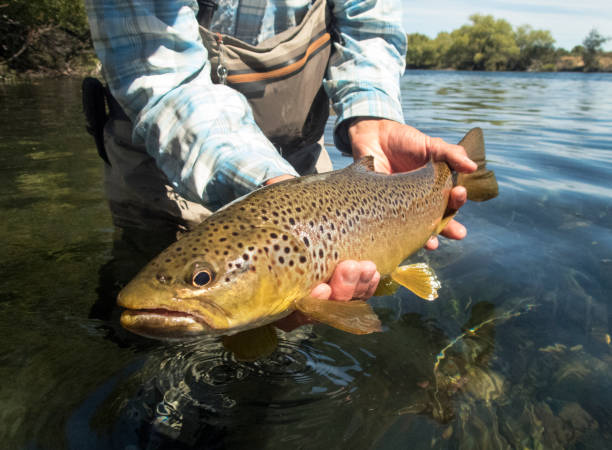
{"points": [[257, 259]]}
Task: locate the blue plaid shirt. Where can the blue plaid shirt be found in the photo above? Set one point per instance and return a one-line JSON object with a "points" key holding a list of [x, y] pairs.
{"points": [[203, 135]]}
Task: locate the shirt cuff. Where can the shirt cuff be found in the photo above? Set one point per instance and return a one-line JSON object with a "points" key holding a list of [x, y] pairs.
{"points": [[371, 103]]}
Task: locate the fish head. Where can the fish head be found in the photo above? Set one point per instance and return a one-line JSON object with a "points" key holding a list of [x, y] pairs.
{"points": [[222, 287]]}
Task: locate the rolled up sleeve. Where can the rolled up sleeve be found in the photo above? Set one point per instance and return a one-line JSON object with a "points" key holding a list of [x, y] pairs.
{"points": [[202, 136], [363, 76]]}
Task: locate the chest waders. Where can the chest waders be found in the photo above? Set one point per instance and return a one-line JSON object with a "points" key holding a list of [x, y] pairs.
{"points": [[282, 80]]}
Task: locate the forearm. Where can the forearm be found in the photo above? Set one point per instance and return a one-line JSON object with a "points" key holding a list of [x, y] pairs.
{"points": [[364, 73], [203, 136]]}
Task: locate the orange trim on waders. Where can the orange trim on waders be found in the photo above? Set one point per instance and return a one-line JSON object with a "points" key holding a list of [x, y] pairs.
{"points": [[277, 73]]}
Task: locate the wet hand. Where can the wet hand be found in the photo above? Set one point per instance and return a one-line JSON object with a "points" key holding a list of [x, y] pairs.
{"points": [[350, 280], [400, 148]]}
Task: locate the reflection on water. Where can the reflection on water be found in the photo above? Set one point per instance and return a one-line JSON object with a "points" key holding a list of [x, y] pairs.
{"points": [[515, 353]]}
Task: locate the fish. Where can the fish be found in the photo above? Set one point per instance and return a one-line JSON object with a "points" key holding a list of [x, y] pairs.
{"points": [[257, 259]]}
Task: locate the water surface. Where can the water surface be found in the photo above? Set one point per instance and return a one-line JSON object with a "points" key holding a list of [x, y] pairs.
{"points": [[515, 352]]}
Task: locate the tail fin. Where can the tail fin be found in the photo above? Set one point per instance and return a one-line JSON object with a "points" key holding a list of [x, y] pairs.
{"points": [[481, 185]]}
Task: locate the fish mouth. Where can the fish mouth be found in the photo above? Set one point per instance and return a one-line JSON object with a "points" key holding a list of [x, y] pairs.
{"points": [[163, 323]]}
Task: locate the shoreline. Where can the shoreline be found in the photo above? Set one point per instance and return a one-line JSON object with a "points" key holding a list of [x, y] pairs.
{"points": [[85, 64]]}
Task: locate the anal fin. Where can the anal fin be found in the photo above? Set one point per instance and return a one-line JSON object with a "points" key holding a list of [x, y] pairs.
{"points": [[355, 316], [419, 279], [386, 286]]}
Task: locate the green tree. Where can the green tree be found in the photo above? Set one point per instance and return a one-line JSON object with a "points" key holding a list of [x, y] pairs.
{"points": [[443, 43], [426, 53], [487, 44], [592, 49], [418, 55], [536, 48], [578, 50]]}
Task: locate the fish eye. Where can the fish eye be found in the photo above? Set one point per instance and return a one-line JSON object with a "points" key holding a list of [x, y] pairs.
{"points": [[201, 278]]}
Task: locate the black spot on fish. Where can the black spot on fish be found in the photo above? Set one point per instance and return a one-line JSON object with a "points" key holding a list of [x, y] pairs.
{"points": [[306, 241], [302, 259]]}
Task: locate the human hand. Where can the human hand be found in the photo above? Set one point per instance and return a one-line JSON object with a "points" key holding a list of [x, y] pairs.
{"points": [[350, 280], [400, 148]]}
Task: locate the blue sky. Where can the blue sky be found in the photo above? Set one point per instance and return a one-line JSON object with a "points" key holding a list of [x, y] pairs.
{"points": [[568, 22]]}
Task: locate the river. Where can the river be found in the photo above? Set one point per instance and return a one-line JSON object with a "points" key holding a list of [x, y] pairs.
{"points": [[516, 351]]}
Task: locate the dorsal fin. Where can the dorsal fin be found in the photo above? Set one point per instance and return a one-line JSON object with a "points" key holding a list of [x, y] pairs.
{"points": [[366, 163]]}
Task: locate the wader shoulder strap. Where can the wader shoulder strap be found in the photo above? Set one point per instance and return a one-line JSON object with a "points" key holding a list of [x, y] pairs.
{"points": [[281, 77], [96, 115], [206, 9], [249, 18]]}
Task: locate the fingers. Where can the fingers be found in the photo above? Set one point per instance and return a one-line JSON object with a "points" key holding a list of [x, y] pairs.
{"points": [[321, 291], [278, 179], [353, 279], [457, 198], [432, 243], [454, 230], [454, 155]]}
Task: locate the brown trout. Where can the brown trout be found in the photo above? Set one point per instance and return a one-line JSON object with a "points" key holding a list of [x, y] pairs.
{"points": [[256, 260]]}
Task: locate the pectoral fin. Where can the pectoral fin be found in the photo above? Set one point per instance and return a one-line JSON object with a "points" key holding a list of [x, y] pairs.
{"points": [[418, 278], [354, 316], [251, 345]]}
